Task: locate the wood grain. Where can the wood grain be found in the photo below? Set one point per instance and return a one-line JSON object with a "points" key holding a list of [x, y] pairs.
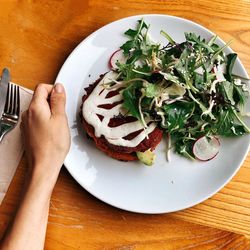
{"points": [[36, 38], [79, 221]]}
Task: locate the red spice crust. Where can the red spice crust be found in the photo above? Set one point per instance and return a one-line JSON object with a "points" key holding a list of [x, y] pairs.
{"points": [[119, 152]]}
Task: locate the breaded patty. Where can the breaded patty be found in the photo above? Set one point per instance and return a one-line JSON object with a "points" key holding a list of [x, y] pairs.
{"points": [[115, 151]]}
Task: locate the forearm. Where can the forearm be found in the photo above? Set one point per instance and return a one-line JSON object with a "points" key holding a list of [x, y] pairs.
{"points": [[47, 142], [29, 228]]}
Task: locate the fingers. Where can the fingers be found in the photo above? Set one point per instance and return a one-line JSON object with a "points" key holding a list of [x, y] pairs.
{"points": [[48, 99], [58, 100], [42, 92], [39, 105]]}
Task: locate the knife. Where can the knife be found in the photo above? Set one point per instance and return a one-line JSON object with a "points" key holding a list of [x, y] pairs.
{"points": [[5, 79]]}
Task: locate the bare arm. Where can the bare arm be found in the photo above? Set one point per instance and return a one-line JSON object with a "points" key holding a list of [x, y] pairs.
{"points": [[47, 142]]}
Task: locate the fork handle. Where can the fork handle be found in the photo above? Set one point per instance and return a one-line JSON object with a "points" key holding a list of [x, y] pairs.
{"points": [[4, 129]]}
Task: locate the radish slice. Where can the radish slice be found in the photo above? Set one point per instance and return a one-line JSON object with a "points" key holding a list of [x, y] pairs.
{"points": [[206, 149], [117, 56]]}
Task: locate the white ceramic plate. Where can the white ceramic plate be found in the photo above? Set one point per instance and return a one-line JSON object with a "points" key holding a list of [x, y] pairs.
{"points": [[167, 186]]}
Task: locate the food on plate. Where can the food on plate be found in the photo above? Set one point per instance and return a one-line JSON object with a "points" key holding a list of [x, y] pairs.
{"points": [[186, 90], [206, 148], [147, 157], [114, 131]]}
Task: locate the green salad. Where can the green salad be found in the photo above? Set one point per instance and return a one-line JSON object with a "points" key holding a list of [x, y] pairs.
{"points": [[187, 88]]}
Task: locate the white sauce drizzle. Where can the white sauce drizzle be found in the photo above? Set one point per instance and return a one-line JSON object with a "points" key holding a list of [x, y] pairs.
{"points": [[113, 135]]}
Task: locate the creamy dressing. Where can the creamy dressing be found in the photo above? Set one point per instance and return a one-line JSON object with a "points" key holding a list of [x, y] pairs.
{"points": [[90, 112]]}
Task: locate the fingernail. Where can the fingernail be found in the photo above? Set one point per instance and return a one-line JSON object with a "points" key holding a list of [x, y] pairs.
{"points": [[59, 88]]}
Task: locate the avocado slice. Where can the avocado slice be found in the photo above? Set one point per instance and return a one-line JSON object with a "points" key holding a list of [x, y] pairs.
{"points": [[147, 157]]}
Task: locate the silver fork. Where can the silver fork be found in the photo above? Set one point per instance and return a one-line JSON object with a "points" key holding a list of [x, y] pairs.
{"points": [[11, 112]]}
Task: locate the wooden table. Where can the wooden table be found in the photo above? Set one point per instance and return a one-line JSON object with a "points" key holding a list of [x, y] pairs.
{"points": [[36, 38]]}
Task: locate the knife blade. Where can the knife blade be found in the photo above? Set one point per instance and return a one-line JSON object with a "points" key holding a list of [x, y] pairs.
{"points": [[5, 79]]}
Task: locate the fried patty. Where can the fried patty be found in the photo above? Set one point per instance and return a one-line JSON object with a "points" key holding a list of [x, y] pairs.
{"points": [[119, 152]]}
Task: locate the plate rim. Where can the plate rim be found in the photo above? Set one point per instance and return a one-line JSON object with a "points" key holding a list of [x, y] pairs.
{"points": [[67, 164]]}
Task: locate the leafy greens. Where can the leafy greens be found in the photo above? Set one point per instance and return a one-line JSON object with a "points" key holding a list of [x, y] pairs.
{"points": [[187, 88]]}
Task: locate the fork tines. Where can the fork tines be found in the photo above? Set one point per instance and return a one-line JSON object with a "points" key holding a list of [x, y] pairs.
{"points": [[10, 116], [12, 104]]}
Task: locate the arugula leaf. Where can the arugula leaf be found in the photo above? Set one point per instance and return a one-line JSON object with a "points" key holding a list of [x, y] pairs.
{"points": [[135, 56], [142, 25], [183, 146], [127, 71], [144, 70], [229, 90], [231, 58], [126, 47], [185, 68], [240, 96], [136, 40], [192, 37], [199, 81], [130, 32], [227, 126], [131, 99], [177, 114]]}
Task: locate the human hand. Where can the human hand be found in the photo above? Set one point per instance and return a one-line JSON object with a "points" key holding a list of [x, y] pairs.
{"points": [[46, 131], [47, 141]]}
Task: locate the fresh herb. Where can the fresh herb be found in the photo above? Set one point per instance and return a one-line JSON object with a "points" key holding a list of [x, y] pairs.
{"points": [[187, 88], [131, 99], [231, 58]]}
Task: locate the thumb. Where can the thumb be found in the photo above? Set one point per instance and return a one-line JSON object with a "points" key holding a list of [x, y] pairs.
{"points": [[58, 100]]}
